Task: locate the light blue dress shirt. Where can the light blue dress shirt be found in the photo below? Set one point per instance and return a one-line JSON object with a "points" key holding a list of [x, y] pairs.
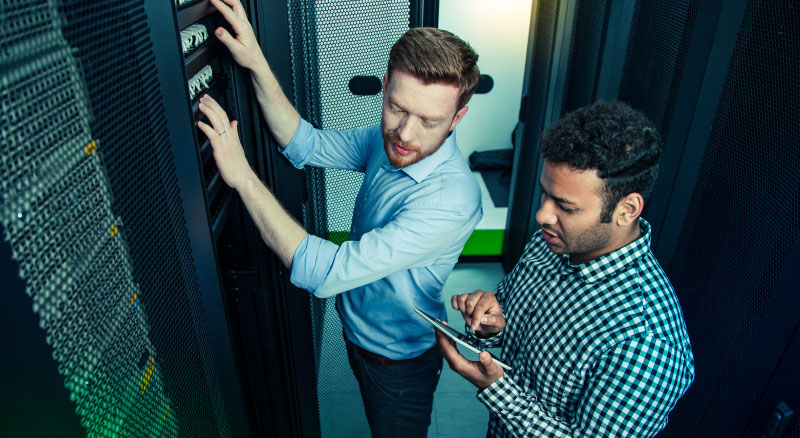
{"points": [[409, 227]]}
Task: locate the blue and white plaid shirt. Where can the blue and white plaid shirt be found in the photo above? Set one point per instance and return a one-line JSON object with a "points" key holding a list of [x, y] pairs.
{"points": [[598, 349]]}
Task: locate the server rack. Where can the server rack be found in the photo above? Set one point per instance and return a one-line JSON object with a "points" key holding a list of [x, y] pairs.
{"points": [[719, 80], [273, 351], [215, 305]]}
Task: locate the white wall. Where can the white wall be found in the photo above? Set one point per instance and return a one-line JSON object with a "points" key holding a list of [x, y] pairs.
{"points": [[498, 31]]}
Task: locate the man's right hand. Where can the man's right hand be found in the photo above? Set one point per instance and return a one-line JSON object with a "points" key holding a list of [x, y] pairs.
{"points": [[244, 47], [481, 312]]}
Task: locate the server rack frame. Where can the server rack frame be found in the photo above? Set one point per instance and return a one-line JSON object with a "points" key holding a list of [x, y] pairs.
{"points": [[164, 27]]}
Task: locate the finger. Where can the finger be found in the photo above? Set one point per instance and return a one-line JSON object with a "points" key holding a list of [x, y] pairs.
{"points": [[458, 302], [460, 305], [227, 39], [208, 131], [475, 310], [483, 310], [230, 16], [475, 298], [238, 8], [234, 4], [455, 302], [217, 124], [220, 112], [489, 367], [495, 321], [234, 130]]}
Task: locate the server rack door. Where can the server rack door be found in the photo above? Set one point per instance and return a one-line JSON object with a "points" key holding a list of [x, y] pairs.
{"points": [[543, 88], [112, 211], [735, 202], [724, 216], [272, 350]]}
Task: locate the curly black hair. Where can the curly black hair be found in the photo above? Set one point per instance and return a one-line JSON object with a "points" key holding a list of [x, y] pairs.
{"points": [[617, 140]]}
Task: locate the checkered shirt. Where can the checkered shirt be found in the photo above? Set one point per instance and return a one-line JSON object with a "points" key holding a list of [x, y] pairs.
{"points": [[596, 350]]}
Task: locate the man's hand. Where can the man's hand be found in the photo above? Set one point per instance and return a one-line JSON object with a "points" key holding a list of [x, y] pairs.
{"points": [[481, 312], [244, 46], [481, 374], [224, 139]]}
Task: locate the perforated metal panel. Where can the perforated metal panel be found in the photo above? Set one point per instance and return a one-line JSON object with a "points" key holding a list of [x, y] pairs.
{"points": [[332, 42], [657, 47], [345, 39], [92, 212], [588, 42], [748, 193]]}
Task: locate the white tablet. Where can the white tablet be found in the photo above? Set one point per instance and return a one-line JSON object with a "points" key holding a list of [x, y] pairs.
{"points": [[456, 336]]}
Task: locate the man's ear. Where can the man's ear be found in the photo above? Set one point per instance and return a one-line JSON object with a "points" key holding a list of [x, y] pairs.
{"points": [[459, 115], [629, 209]]}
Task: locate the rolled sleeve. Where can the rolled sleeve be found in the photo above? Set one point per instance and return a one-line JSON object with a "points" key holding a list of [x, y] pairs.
{"points": [[348, 149], [311, 262], [300, 148], [414, 238]]}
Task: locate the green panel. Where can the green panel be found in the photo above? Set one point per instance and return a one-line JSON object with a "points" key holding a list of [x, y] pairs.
{"points": [[481, 242], [484, 242], [338, 237]]}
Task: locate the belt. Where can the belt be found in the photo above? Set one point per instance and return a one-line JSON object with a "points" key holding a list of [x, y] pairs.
{"points": [[377, 359]]}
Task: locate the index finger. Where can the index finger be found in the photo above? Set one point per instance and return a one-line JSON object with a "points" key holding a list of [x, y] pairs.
{"points": [[214, 106], [237, 7], [230, 16], [459, 303], [484, 306]]}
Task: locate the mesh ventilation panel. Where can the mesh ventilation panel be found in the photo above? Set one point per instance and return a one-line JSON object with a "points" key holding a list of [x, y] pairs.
{"points": [[748, 192], [92, 212], [57, 217], [332, 42], [657, 48], [588, 40], [545, 28]]}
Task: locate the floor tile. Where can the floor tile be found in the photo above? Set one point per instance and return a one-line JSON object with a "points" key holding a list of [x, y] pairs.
{"points": [[458, 416]]}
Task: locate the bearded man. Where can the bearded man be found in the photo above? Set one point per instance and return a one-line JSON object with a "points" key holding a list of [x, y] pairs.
{"points": [[416, 208]]}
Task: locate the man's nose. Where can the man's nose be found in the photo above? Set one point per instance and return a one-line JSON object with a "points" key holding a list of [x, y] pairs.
{"points": [[545, 216], [406, 130]]}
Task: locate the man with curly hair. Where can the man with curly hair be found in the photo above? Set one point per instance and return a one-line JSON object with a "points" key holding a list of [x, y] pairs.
{"points": [[587, 320]]}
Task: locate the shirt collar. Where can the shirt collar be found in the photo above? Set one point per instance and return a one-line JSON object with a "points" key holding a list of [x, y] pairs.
{"points": [[612, 262], [422, 168]]}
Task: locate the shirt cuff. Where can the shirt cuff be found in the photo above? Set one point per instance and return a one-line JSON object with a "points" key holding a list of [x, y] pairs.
{"points": [[311, 262], [501, 396], [490, 342], [299, 149]]}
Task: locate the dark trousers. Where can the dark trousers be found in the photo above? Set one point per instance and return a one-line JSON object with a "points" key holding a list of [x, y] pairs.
{"points": [[398, 398]]}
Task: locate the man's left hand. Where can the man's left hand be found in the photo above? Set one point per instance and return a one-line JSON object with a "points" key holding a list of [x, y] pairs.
{"points": [[481, 374], [224, 139]]}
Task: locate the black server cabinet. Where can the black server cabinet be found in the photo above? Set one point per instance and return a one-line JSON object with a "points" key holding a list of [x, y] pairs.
{"points": [[156, 309], [720, 81]]}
